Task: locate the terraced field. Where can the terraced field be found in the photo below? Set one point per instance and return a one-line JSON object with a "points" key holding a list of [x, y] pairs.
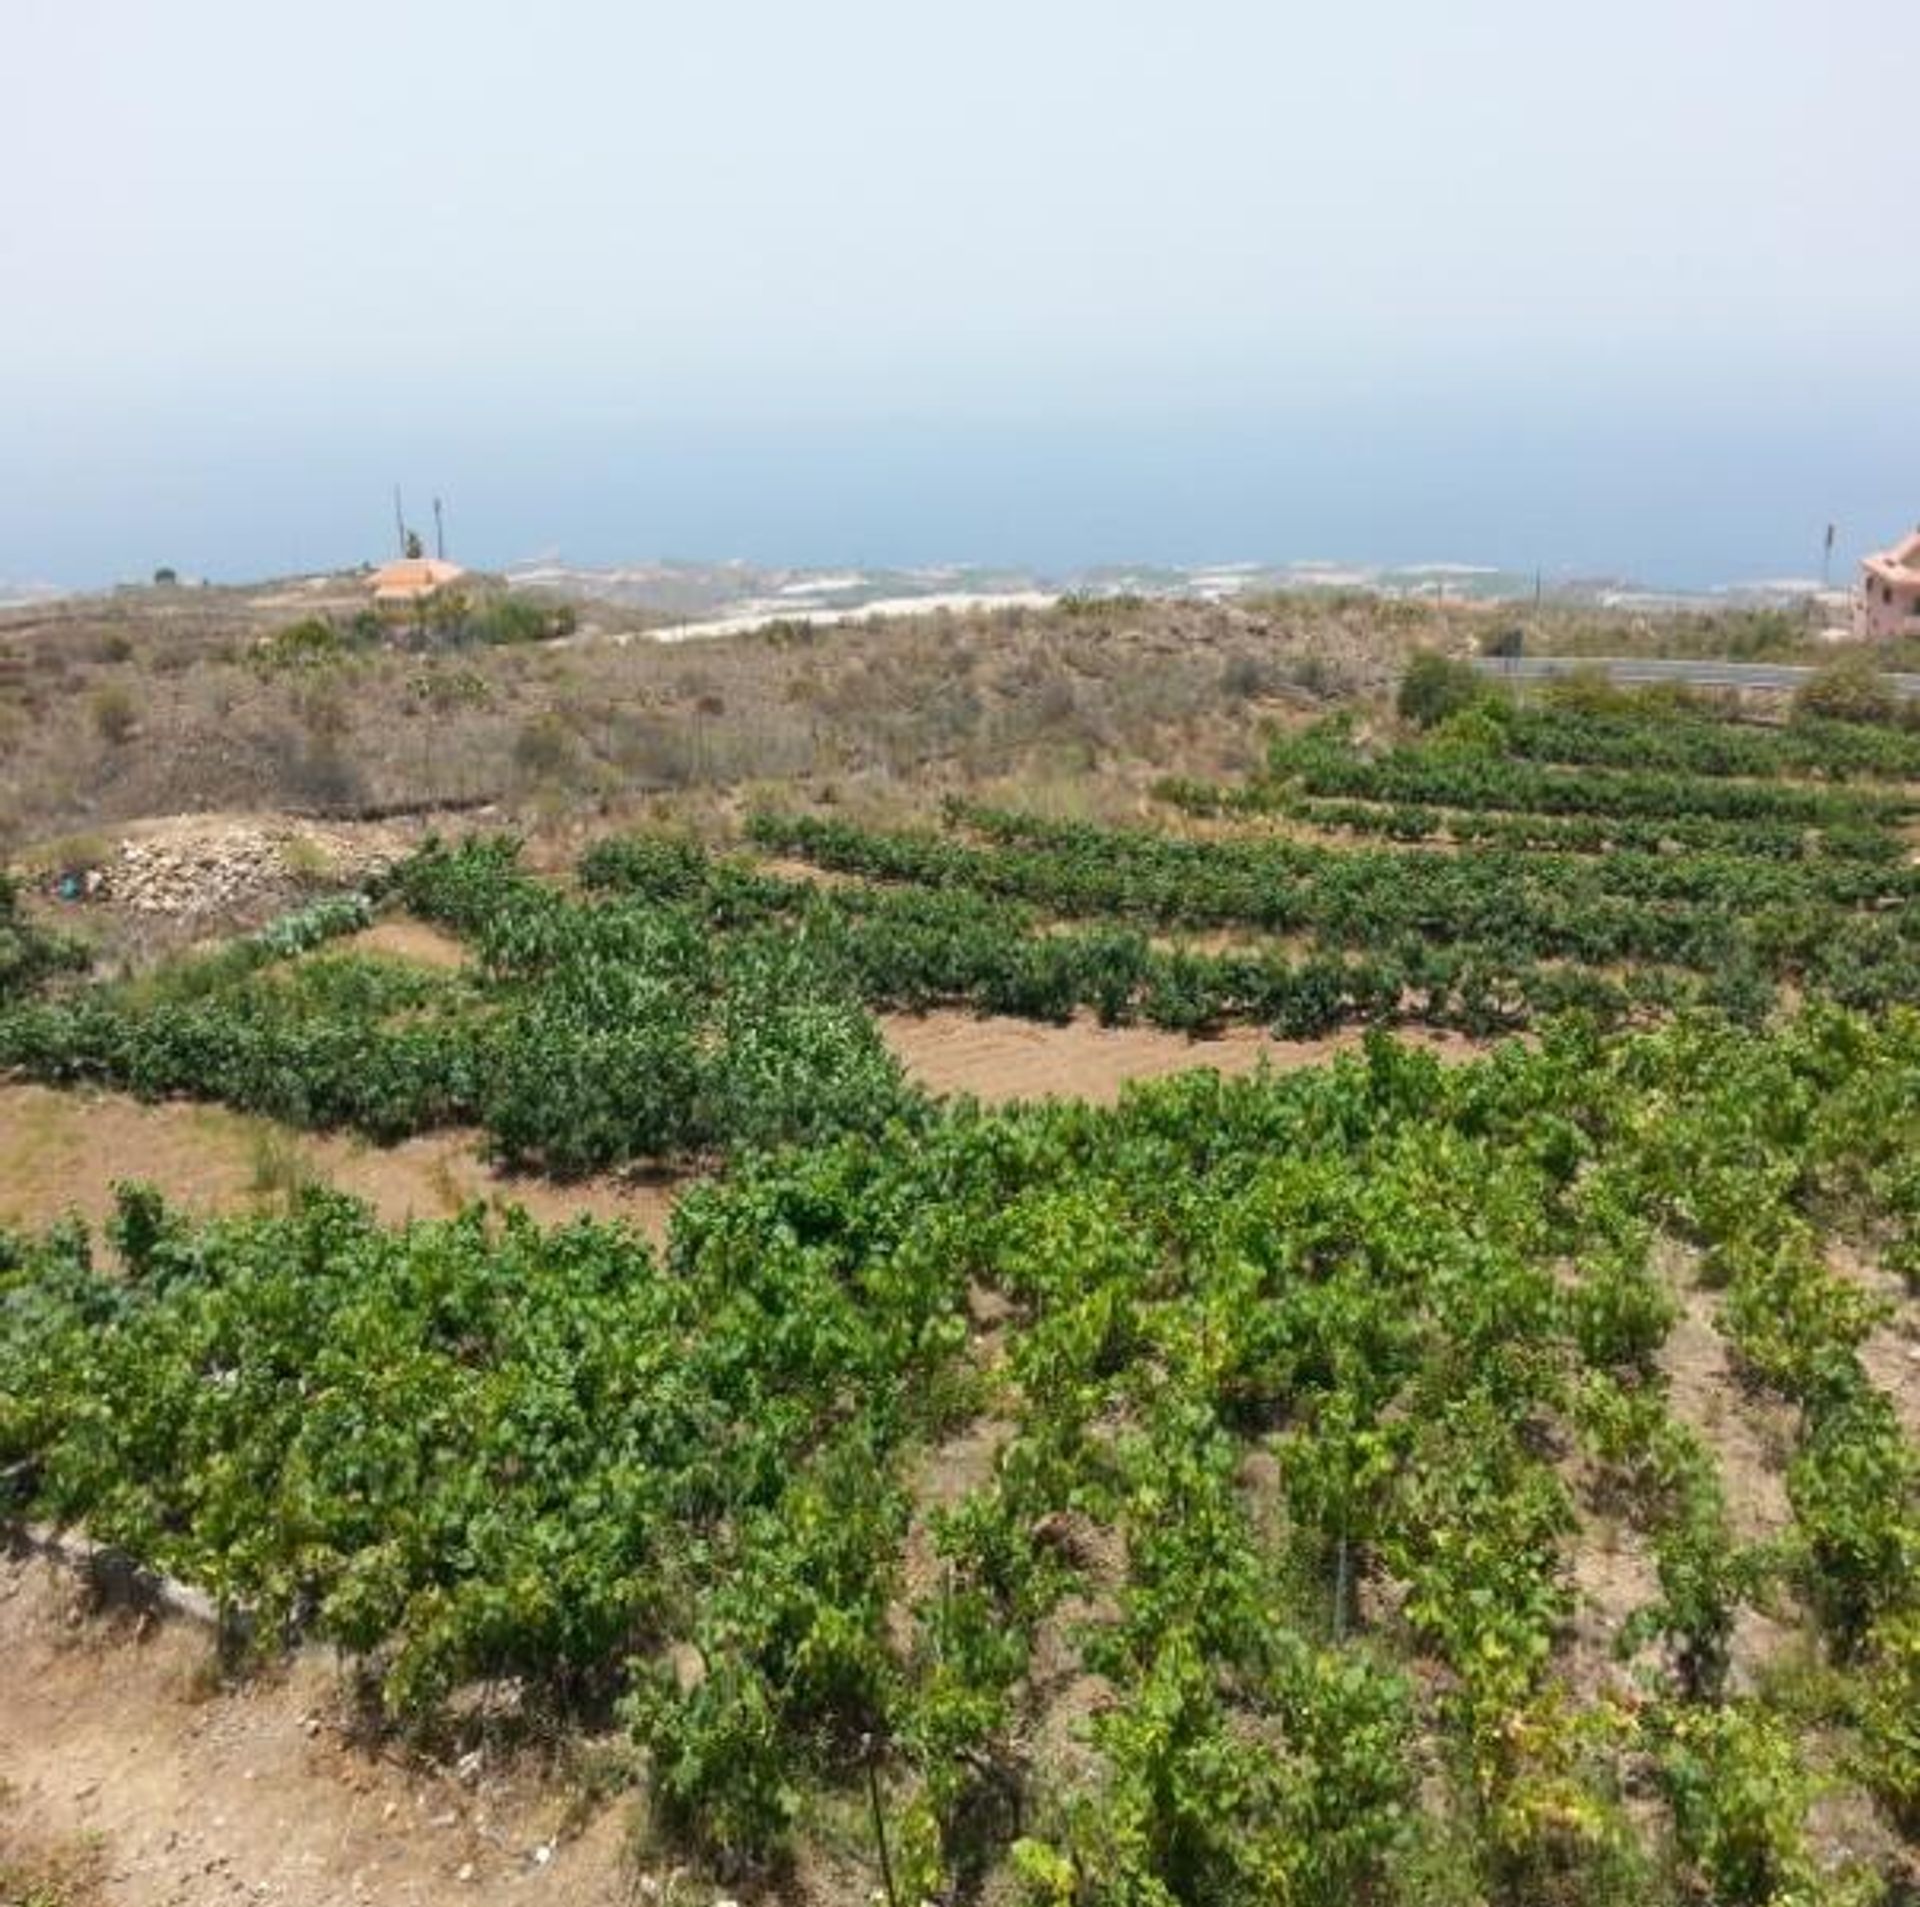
{"points": [[1476, 1474]]}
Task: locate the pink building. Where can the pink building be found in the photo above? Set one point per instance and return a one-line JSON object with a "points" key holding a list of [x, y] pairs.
{"points": [[1887, 602]]}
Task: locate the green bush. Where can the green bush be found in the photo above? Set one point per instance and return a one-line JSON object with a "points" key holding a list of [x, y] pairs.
{"points": [[116, 715], [315, 642], [514, 619], [1890, 1715], [29, 953], [1851, 689], [1436, 686], [1239, 1570], [1740, 1791]]}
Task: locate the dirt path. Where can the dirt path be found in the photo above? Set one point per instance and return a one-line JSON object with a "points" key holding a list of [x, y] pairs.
{"points": [[63, 1151], [1614, 1576], [191, 1799], [996, 1058], [1747, 1436]]}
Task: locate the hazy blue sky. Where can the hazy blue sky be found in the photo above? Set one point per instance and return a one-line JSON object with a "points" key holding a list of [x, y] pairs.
{"points": [[1623, 287]]}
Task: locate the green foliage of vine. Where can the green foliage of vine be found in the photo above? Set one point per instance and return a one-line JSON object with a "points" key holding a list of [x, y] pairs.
{"points": [[1278, 1476]]}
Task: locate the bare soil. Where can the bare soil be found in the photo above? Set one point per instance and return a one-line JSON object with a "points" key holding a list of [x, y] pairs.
{"points": [[63, 1152], [189, 1798], [43, 1870], [1613, 1576], [998, 1059], [945, 1476], [1891, 1357], [1747, 1436]]}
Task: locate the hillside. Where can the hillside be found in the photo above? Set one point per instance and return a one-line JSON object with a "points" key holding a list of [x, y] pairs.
{"points": [[1159, 1277]]}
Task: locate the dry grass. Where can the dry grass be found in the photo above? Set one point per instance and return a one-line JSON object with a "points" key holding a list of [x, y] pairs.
{"points": [[39, 1869]]}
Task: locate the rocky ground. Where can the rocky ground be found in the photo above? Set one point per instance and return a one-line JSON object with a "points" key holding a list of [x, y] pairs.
{"points": [[212, 865]]}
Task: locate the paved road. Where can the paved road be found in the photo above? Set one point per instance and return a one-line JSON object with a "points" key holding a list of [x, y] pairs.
{"points": [[1705, 674]]}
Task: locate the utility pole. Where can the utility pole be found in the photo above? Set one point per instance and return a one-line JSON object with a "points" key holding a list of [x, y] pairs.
{"points": [[1826, 562], [399, 520], [439, 532]]}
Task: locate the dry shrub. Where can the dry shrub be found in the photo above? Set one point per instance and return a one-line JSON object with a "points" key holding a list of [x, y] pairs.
{"points": [[281, 1170], [444, 687], [1054, 706], [307, 864], [1851, 689], [71, 852], [653, 748], [310, 772], [322, 710], [178, 659], [116, 715], [1319, 677], [1245, 677], [50, 662], [546, 750]]}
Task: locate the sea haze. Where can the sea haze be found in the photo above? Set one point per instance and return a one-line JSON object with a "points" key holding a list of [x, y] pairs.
{"points": [[1673, 489]]}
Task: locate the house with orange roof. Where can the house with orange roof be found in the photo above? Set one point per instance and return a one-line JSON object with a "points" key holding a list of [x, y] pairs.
{"points": [[1887, 603], [411, 579]]}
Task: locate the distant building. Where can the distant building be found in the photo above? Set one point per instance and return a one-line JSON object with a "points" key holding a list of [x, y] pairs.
{"points": [[410, 580], [1887, 602]]}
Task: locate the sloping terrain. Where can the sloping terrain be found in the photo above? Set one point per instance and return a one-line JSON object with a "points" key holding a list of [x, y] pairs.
{"points": [[1458, 1446]]}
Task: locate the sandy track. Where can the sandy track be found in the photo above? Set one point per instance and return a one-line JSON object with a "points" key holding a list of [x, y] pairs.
{"points": [[996, 1058]]}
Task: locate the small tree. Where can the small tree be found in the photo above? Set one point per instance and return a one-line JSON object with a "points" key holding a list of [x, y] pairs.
{"points": [[1851, 689], [165, 576], [1436, 686]]}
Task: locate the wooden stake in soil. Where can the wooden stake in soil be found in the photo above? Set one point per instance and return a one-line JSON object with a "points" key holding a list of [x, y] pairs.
{"points": [[879, 1819]]}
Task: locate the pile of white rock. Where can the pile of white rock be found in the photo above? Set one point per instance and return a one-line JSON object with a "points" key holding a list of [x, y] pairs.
{"points": [[211, 868]]}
